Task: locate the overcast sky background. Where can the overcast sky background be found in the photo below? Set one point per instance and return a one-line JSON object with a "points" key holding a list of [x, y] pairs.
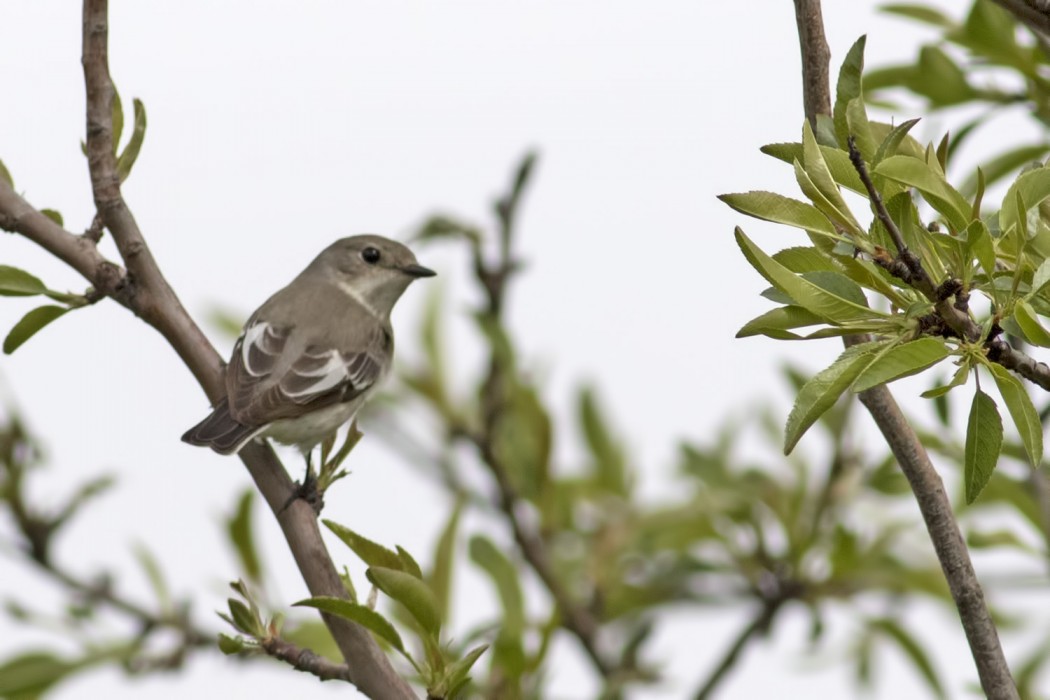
{"points": [[277, 127]]}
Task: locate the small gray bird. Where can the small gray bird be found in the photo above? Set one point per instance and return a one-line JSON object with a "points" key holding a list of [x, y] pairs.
{"points": [[315, 351]]}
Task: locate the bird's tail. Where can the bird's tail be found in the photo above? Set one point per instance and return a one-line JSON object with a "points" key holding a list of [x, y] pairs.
{"points": [[220, 431]]}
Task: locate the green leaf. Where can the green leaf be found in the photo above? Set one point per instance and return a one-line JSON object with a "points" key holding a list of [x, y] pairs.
{"points": [[849, 87], [984, 439], [458, 673], [53, 215], [913, 650], [804, 293], [370, 552], [891, 144], [408, 564], [17, 283], [239, 530], [118, 120], [131, 152], [979, 244], [920, 175], [153, 573], [837, 161], [901, 361], [770, 206], [778, 322], [1033, 331], [819, 176], [242, 617], [610, 465], [939, 79], [503, 574], [958, 380], [412, 593], [822, 391], [1022, 411], [5, 175], [231, 645], [28, 675], [366, 617], [30, 324], [440, 578], [1040, 279], [1005, 163], [1033, 188], [922, 13]]}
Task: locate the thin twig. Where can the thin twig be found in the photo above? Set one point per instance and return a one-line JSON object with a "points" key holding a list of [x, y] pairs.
{"points": [[758, 626], [914, 461], [304, 660]]}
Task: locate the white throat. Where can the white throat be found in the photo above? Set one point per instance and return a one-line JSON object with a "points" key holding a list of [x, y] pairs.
{"points": [[360, 298]]}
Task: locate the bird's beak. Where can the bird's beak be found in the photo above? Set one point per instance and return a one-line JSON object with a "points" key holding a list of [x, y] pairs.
{"points": [[415, 270]]}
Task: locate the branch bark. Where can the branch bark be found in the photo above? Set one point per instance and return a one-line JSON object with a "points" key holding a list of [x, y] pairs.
{"points": [[914, 461], [142, 288]]}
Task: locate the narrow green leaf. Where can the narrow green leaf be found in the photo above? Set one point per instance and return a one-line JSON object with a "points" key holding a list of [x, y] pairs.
{"points": [[920, 175], [893, 140], [1039, 279], [5, 175], [1033, 187], [770, 206], [913, 650], [922, 13], [239, 530], [230, 645], [412, 593], [778, 322], [901, 361], [15, 282], [127, 159], [458, 673], [1033, 330], [984, 439], [1006, 163], [118, 120], [610, 464], [153, 573], [370, 552], [822, 391], [849, 87], [957, 380], [30, 324], [819, 174], [1022, 411], [837, 161], [366, 617], [503, 574], [242, 618], [408, 564], [979, 243], [440, 578], [940, 79], [804, 293]]}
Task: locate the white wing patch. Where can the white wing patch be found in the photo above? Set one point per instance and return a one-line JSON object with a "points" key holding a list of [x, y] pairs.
{"points": [[329, 375], [255, 340]]}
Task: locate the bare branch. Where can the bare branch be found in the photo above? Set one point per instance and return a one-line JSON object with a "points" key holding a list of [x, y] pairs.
{"points": [[816, 56], [758, 626]]}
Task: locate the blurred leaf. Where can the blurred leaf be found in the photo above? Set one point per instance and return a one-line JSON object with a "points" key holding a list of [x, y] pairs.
{"points": [[15, 282], [126, 160], [609, 462], [5, 175], [913, 650], [770, 206], [922, 13], [984, 438], [824, 389], [939, 79], [30, 324], [370, 552], [1005, 163], [440, 578], [231, 645], [901, 361], [366, 617], [30, 674], [508, 649], [155, 576], [1033, 187], [239, 530], [313, 635], [412, 593], [445, 227]]}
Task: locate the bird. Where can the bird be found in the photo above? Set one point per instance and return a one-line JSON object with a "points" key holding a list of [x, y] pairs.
{"points": [[315, 351]]}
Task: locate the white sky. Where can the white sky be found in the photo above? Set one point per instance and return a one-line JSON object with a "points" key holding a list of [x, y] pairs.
{"points": [[275, 128]]}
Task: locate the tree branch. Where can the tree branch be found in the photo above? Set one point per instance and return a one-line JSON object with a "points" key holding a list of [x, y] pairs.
{"points": [[1036, 19], [144, 290], [758, 626], [304, 660], [909, 451]]}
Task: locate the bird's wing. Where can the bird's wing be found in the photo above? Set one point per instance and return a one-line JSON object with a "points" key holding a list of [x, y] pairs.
{"points": [[274, 375]]}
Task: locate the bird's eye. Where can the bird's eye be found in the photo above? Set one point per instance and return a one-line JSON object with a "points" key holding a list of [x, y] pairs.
{"points": [[370, 255]]}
